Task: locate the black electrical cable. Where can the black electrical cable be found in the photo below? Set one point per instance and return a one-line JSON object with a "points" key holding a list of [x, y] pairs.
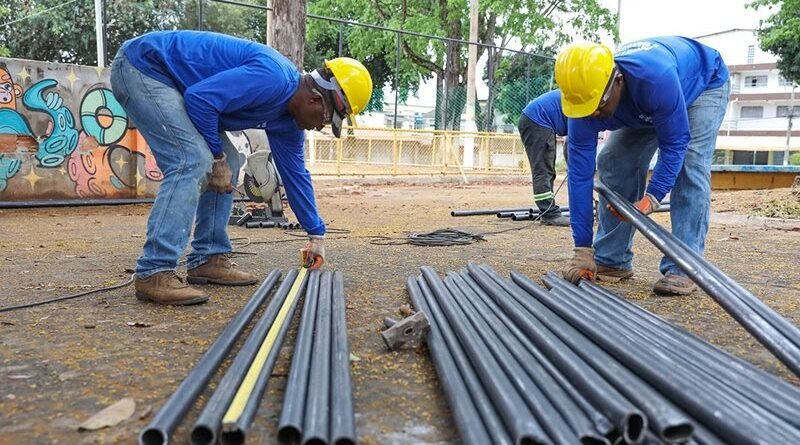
{"points": [[453, 237], [67, 297]]}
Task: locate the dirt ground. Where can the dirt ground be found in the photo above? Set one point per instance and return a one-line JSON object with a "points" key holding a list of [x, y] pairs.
{"points": [[61, 363]]}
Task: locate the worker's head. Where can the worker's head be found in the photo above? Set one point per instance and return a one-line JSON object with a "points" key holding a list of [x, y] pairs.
{"points": [[328, 95], [590, 83]]}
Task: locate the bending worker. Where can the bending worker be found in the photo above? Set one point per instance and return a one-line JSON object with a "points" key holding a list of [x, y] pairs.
{"points": [[183, 89], [666, 93], [539, 124]]}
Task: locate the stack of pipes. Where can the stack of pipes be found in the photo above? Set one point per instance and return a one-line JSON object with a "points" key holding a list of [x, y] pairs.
{"points": [[319, 391], [318, 405], [776, 333], [577, 364], [525, 213]]}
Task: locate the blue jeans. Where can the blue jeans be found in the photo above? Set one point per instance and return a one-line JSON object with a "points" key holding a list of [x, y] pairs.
{"points": [[184, 158], [623, 165]]}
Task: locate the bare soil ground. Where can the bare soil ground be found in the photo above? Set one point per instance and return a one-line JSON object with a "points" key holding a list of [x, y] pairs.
{"points": [[61, 363]]}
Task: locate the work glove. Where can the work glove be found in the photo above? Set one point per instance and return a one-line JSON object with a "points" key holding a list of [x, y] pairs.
{"points": [[581, 265], [313, 255], [646, 205], [220, 180]]}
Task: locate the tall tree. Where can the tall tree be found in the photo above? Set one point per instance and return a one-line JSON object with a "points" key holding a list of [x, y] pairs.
{"points": [[526, 23], [289, 29], [780, 35]]}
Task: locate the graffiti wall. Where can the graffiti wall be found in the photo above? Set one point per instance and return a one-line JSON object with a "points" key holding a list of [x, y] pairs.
{"points": [[64, 135]]}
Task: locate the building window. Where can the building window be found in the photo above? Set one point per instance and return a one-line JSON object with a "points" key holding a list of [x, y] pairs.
{"points": [[783, 111], [784, 82], [751, 53], [751, 113], [755, 81]]}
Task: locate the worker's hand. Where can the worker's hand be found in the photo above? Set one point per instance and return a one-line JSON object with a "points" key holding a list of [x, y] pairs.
{"points": [[646, 205], [581, 265], [313, 255], [220, 180]]}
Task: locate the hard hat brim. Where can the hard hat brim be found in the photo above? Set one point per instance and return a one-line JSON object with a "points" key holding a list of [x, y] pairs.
{"points": [[579, 110]]}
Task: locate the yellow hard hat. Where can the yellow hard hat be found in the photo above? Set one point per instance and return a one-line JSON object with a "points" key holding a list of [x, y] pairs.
{"points": [[582, 73], [355, 81]]}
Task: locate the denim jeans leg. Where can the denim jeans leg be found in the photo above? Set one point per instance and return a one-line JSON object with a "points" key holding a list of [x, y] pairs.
{"points": [[213, 214], [690, 199], [622, 165], [181, 153]]}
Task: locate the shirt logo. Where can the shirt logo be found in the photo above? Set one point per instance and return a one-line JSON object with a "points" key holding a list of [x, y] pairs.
{"points": [[646, 118], [635, 47]]}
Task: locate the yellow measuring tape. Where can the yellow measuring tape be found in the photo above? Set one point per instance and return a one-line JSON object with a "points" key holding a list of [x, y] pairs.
{"points": [[249, 382]]}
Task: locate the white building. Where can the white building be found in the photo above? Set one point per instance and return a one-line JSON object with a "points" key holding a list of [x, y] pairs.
{"points": [[755, 126]]}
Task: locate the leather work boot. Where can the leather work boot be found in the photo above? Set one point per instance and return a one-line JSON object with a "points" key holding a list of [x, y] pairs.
{"points": [[612, 275], [556, 220], [674, 284], [219, 270], [167, 288]]}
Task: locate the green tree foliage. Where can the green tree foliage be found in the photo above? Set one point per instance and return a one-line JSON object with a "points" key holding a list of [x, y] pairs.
{"points": [[780, 34], [526, 23], [520, 79]]}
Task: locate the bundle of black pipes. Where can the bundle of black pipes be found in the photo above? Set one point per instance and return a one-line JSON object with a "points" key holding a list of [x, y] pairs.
{"points": [[526, 216], [524, 365], [776, 333], [159, 430], [259, 349], [318, 402]]}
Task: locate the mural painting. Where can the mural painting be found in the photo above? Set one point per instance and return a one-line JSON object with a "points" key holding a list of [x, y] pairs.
{"points": [[64, 135]]}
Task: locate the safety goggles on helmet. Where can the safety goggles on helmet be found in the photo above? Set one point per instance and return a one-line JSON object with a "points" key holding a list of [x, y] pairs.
{"points": [[609, 88], [336, 105]]}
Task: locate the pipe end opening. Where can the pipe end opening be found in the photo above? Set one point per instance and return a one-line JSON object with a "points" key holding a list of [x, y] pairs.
{"points": [[289, 435], [316, 441], [203, 435], [344, 441], [588, 439], [526, 440], [153, 436], [635, 428], [233, 437], [677, 433]]}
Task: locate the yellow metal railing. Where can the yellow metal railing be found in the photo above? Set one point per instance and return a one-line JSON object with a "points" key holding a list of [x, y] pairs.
{"points": [[393, 151]]}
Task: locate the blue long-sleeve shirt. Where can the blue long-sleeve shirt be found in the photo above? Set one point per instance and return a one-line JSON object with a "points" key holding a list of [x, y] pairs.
{"points": [[545, 110], [232, 84], [663, 76]]}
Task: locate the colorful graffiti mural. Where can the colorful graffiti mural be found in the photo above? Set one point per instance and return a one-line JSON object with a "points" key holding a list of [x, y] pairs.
{"points": [[99, 155]]}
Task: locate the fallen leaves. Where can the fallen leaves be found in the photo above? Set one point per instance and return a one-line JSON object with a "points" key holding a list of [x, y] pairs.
{"points": [[110, 416], [139, 324]]}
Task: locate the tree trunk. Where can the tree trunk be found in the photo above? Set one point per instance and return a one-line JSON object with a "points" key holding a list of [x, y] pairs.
{"points": [[288, 33]]}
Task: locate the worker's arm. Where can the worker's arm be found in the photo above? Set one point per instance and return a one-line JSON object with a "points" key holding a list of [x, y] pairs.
{"points": [[230, 91], [671, 121], [287, 148], [582, 150]]}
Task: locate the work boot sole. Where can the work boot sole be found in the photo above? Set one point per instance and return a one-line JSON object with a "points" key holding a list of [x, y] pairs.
{"points": [[204, 280], [198, 300]]}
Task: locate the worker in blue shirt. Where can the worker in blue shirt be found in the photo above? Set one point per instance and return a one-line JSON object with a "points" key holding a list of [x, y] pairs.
{"points": [[667, 94], [539, 124], [183, 90]]}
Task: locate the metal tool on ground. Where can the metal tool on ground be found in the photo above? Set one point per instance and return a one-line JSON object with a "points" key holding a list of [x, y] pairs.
{"points": [[408, 333], [262, 184]]}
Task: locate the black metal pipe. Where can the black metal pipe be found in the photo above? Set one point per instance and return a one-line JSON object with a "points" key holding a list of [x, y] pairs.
{"points": [[206, 429], [158, 431], [550, 419], [761, 387], [235, 433], [558, 413], [343, 422], [316, 424], [487, 211], [627, 419], [473, 412], [522, 427], [246, 217], [682, 362], [253, 224], [290, 425], [761, 324], [692, 397]]}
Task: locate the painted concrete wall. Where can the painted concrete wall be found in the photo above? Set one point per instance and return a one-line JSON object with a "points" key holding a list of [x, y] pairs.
{"points": [[63, 135]]}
